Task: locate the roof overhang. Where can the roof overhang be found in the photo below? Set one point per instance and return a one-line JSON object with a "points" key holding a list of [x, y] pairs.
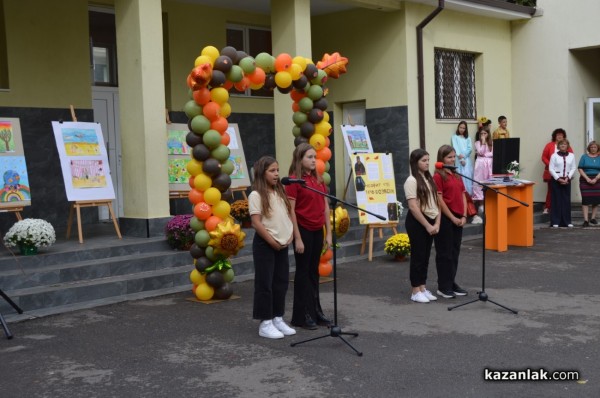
{"points": [[497, 9]]}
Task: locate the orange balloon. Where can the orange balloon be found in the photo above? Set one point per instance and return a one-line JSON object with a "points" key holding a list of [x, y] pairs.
{"points": [[195, 196], [283, 62], [220, 124], [258, 76], [324, 154], [202, 96], [320, 166], [191, 181], [327, 141], [295, 107], [297, 95], [328, 255], [225, 138], [243, 84], [202, 210], [211, 110], [211, 223], [325, 268], [228, 85]]}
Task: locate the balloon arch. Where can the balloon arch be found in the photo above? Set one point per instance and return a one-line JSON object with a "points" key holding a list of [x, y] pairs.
{"points": [[217, 236]]}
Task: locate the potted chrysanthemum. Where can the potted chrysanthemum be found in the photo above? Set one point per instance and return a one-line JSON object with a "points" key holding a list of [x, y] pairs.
{"points": [[240, 211], [398, 246], [29, 235], [179, 233]]}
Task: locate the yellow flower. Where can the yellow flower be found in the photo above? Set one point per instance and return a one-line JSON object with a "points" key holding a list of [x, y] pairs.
{"points": [[398, 244], [342, 221], [227, 239]]}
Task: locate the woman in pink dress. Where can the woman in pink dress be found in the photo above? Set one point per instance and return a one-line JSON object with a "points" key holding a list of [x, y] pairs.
{"points": [[484, 152]]}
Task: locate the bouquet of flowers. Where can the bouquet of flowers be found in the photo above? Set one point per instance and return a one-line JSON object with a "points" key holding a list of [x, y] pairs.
{"points": [[398, 245], [240, 211], [513, 168], [179, 234], [30, 232]]}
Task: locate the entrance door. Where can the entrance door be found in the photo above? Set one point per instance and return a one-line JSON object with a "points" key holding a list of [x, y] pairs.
{"points": [[105, 102], [352, 113], [593, 120]]}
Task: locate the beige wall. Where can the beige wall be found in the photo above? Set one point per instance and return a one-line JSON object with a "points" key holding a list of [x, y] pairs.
{"points": [[48, 54], [551, 82]]}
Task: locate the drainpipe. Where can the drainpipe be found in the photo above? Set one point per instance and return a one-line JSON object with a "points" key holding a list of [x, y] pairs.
{"points": [[421, 84]]}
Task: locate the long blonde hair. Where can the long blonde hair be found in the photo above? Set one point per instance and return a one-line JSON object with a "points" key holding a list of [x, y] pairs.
{"points": [[264, 189]]}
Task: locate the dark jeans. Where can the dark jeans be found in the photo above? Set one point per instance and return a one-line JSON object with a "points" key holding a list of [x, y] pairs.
{"points": [[447, 251], [306, 278], [420, 249], [271, 279]]}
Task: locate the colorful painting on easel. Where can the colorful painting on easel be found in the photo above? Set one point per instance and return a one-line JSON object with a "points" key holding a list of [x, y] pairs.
{"points": [[80, 142], [357, 139], [178, 173], [15, 180], [176, 143], [7, 141], [88, 174], [238, 171]]}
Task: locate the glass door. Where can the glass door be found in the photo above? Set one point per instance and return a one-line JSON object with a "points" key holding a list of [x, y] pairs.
{"points": [[593, 120]]}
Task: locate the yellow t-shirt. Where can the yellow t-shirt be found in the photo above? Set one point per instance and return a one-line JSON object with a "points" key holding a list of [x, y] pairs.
{"points": [[500, 133], [278, 224], [410, 192]]}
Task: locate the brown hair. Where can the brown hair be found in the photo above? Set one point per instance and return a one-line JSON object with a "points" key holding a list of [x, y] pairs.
{"points": [[592, 143], [444, 151], [296, 166], [264, 189], [423, 192]]}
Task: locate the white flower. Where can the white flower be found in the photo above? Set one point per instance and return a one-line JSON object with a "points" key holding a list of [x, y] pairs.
{"points": [[32, 232]]}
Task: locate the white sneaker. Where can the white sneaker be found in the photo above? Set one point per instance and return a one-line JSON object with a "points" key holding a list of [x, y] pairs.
{"points": [[419, 297], [268, 330], [476, 220], [428, 294], [555, 226], [570, 225], [283, 327]]}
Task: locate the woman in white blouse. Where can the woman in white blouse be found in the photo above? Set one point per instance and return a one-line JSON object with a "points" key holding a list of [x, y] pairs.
{"points": [[562, 167]]}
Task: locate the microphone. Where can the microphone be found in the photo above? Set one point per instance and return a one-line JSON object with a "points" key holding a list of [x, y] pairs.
{"points": [[288, 181], [440, 165]]}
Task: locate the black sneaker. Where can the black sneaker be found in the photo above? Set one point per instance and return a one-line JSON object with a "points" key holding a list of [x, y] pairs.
{"points": [[459, 291], [585, 224], [448, 294], [593, 221]]}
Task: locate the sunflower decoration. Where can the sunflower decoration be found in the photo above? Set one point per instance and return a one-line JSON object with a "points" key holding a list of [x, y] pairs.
{"points": [[227, 239], [342, 221]]}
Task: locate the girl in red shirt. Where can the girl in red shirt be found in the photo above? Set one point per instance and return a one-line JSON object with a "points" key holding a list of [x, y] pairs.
{"points": [[310, 212]]}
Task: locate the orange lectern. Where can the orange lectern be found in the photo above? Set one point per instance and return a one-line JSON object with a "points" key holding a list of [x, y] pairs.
{"points": [[508, 222]]}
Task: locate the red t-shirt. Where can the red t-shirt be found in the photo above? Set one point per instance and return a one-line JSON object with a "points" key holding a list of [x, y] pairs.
{"points": [[452, 190], [310, 206]]}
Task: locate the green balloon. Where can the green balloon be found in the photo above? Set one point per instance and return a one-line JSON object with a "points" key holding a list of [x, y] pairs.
{"points": [[320, 79], [315, 92], [248, 64], [326, 178], [266, 62], [191, 109], [200, 124], [228, 167], [236, 74], [229, 275], [296, 130], [299, 118], [209, 252], [211, 139], [221, 153], [306, 104], [196, 225], [202, 237], [327, 166]]}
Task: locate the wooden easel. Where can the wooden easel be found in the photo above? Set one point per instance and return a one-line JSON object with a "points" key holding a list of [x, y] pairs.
{"points": [[369, 234], [77, 205], [13, 209], [239, 189]]}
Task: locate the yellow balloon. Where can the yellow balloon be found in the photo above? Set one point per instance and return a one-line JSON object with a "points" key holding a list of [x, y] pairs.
{"points": [[323, 128], [325, 116], [225, 110], [219, 95], [204, 292], [221, 209], [197, 278], [202, 182], [295, 71], [316, 140], [194, 167], [309, 61], [211, 52], [256, 86], [212, 196], [301, 61], [283, 79], [203, 59]]}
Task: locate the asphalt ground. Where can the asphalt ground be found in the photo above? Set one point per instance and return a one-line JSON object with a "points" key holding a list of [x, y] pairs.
{"points": [[169, 346]]}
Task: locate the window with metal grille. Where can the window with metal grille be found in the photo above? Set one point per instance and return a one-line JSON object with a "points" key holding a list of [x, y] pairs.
{"points": [[454, 85], [253, 41]]}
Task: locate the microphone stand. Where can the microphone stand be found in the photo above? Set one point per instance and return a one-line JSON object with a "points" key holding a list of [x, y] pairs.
{"points": [[2, 321], [335, 330], [482, 295]]}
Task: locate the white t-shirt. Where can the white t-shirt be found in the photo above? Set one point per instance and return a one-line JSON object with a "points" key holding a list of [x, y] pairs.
{"points": [[410, 192], [278, 224]]}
